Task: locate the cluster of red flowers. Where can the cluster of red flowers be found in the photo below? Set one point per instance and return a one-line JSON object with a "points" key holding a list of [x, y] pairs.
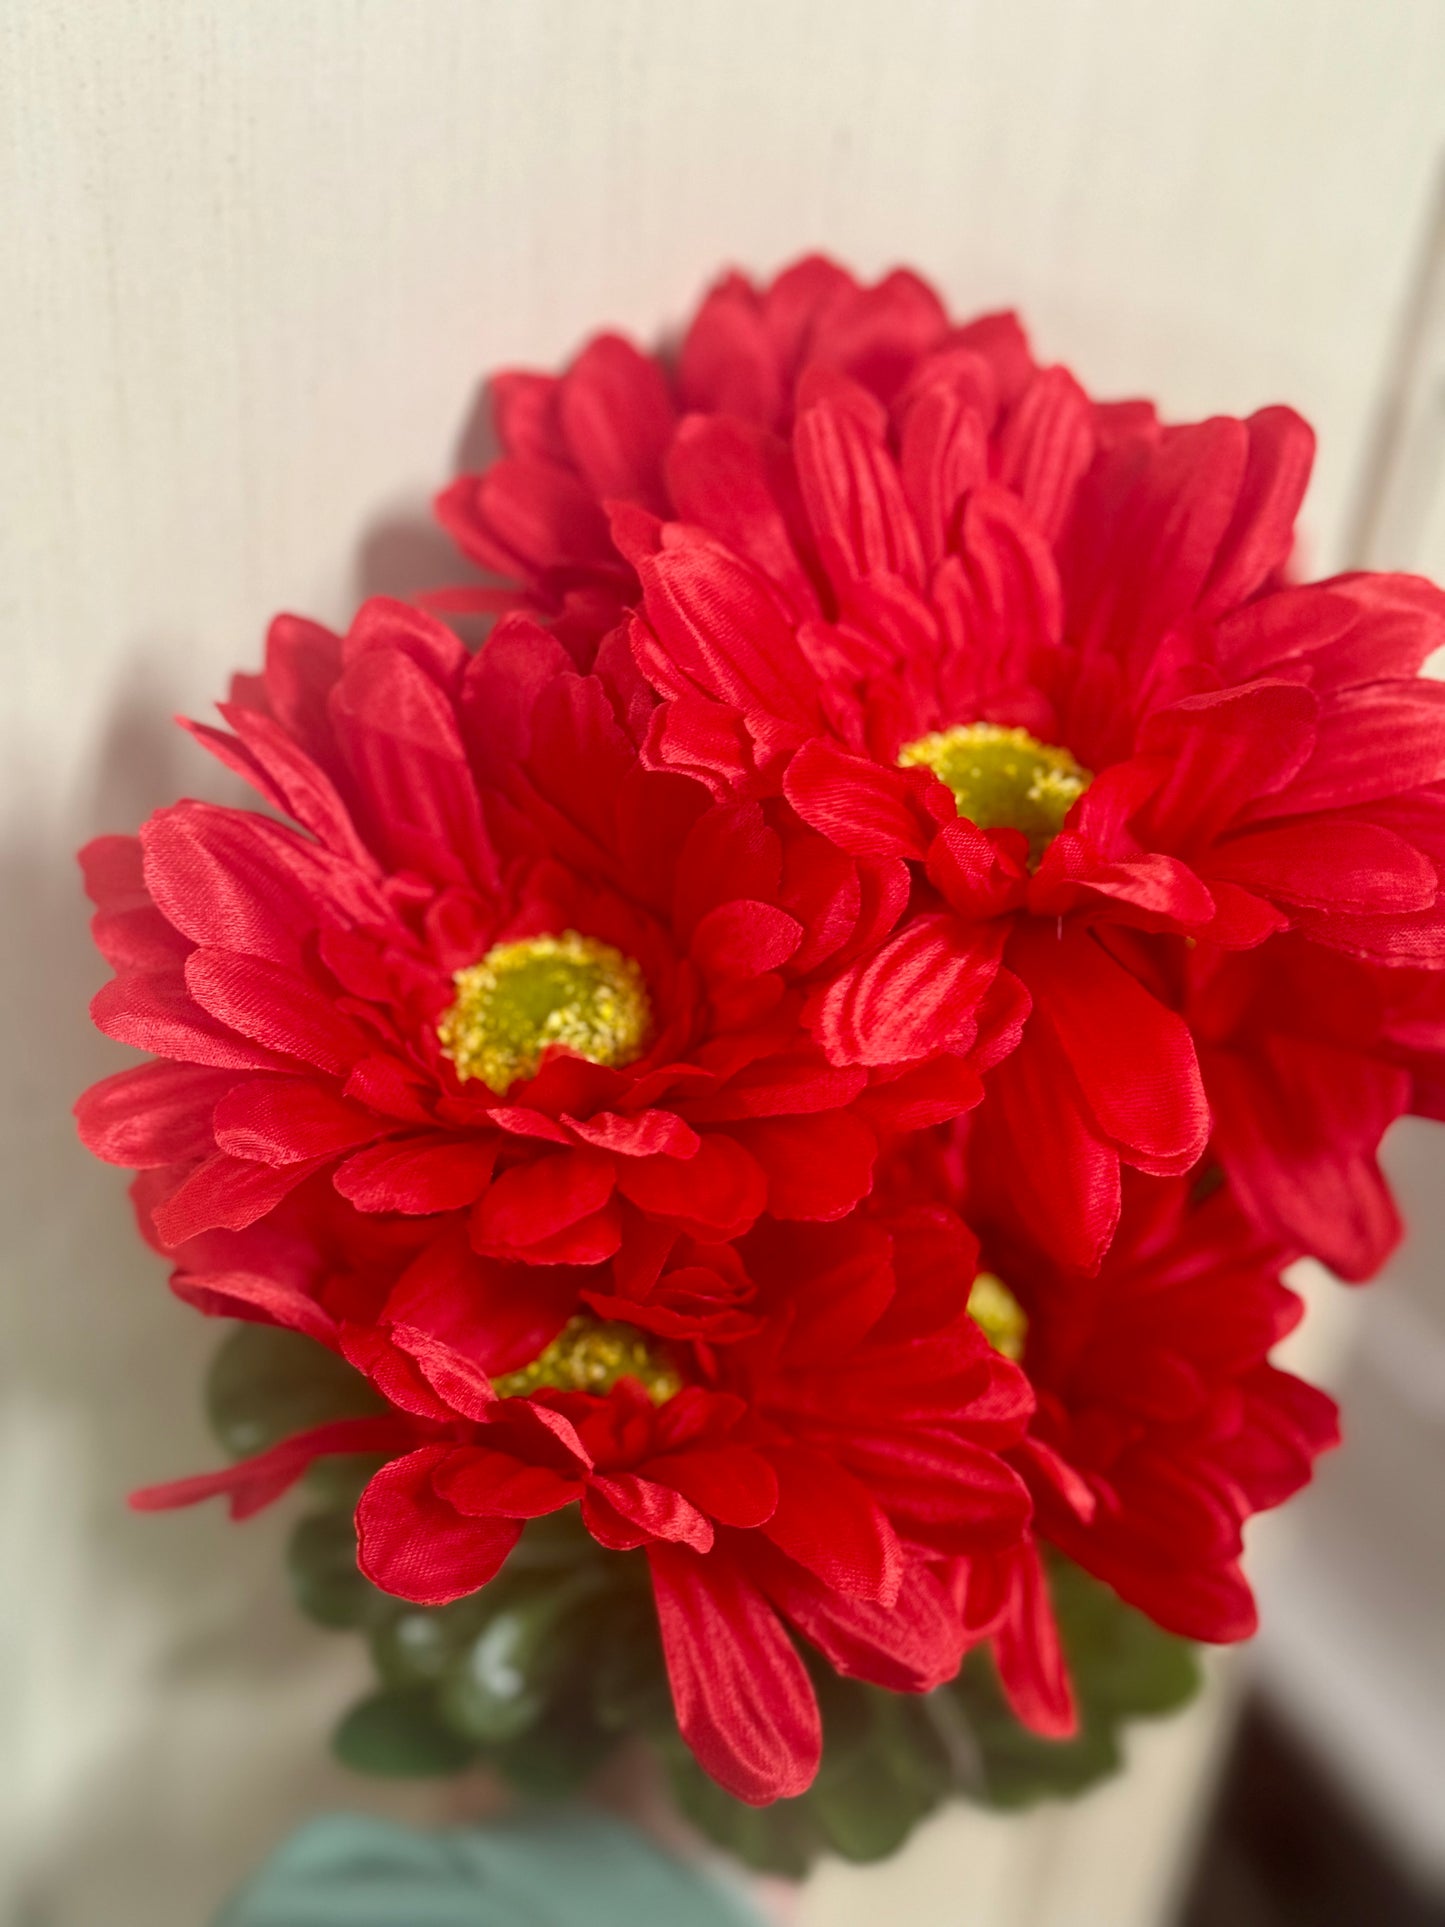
{"points": [[816, 1042]]}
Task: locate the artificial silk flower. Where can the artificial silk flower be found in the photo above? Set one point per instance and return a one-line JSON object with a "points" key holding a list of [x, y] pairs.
{"points": [[1036, 647], [1308, 1056], [1160, 1426], [1079, 714], [613, 428], [802, 1060], [499, 970], [840, 1476]]}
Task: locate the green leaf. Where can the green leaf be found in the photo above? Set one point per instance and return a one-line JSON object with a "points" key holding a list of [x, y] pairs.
{"points": [[1017, 1768], [325, 1580], [266, 1384], [555, 1757], [627, 1676], [505, 1678], [884, 1769], [783, 1838], [868, 1811], [421, 1645], [1122, 1662], [337, 1483], [1123, 1667], [400, 1734], [558, 1542], [910, 1742], [847, 1712]]}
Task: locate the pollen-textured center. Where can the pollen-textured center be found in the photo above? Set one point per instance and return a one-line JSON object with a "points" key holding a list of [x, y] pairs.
{"points": [[590, 1356], [522, 997], [998, 1315], [1002, 778]]}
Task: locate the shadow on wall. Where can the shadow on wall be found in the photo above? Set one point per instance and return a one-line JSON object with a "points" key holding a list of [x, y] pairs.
{"points": [[404, 552], [170, 1692]]}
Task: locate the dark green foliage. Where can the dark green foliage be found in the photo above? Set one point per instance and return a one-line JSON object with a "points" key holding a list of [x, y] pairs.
{"points": [[325, 1582], [869, 1797], [266, 1384], [398, 1733], [783, 1838], [884, 1769], [1123, 1667], [890, 1759], [554, 1758]]}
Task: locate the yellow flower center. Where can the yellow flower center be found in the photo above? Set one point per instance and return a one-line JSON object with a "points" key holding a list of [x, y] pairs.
{"points": [[998, 1315], [1003, 779], [590, 1356], [522, 997]]}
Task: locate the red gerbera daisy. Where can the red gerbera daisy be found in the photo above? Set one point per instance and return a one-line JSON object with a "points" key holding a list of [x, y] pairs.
{"points": [[1161, 1425], [1155, 1389], [834, 1477], [1039, 654], [501, 970], [963, 616], [608, 430], [1308, 1056]]}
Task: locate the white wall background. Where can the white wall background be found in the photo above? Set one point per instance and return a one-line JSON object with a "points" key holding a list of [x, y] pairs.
{"points": [[256, 257]]}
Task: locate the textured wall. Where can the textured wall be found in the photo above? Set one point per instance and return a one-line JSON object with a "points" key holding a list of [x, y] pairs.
{"points": [[257, 256]]}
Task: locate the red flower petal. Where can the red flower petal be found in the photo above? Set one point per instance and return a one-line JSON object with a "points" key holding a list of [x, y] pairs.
{"points": [[494, 1485], [743, 1700], [500, 1315], [274, 1006], [1133, 1059], [617, 417], [648, 1134], [267, 1301], [1379, 741], [910, 1647], [151, 1012], [591, 1241], [726, 475], [1029, 1655], [945, 1491], [1211, 1603], [1046, 445], [1227, 753], [743, 939], [717, 629], [154, 1115], [862, 807], [418, 1174], [1260, 535], [1298, 1127], [548, 1194], [829, 1522], [412, 1543], [241, 883], [258, 1482], [226, 1193], [918, 993], [817, 1167], [722, 1189], [280, 1120], [649, 1511], [855, 501], [1058, 1184], [1330, 864], [454, 1377], [730, 1483]]}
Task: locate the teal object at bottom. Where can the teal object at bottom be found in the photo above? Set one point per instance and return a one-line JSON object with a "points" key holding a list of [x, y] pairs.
{"points": [[568, 1868]]}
